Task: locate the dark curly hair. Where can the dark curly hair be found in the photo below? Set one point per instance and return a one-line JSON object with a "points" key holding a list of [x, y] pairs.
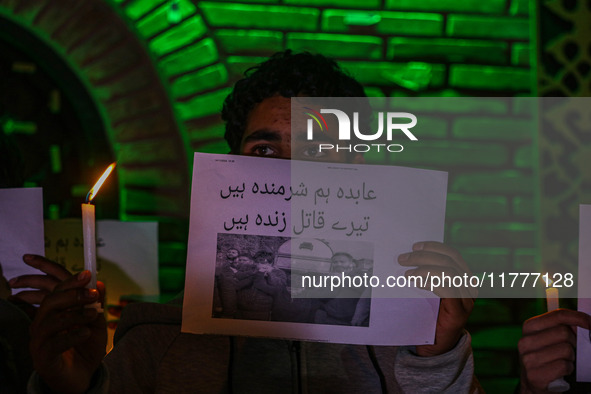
{"points": [[288, 74]]}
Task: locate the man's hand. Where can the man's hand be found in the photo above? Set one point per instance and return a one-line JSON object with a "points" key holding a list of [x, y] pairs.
{"points": [[68, 341], [547, 348], [44, 284], [434, 258]]}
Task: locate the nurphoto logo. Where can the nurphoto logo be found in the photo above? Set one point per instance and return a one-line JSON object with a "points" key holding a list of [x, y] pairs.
{"points": [[392, 126]]}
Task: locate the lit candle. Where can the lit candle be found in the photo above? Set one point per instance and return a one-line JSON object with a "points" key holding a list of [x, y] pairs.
{"points": [[88, 233], [558, 385], [552, 298]]}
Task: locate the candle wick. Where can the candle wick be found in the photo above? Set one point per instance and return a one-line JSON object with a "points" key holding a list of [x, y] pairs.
{"points": [[88, 197]]}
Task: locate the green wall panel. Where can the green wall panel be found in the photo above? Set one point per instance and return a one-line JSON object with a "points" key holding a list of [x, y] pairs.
{"points": [[201, 80], [489, 27], [494, 234], [493, 129], [337, 45], [196, 56], [400, 23], [453, 153], [336, 3], [490, 77], [454, 50], [462, 206], [487, 6], [158, 20], [493, 182], [178, 36], [249, 41], [260, 16]]}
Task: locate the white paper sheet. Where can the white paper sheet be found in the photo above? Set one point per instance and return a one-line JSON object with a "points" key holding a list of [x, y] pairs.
{"points": [[21, 229], [374, 213], [584, 302]]}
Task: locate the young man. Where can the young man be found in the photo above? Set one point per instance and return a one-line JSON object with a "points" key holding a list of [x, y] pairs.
{"points": [[151, 354]]}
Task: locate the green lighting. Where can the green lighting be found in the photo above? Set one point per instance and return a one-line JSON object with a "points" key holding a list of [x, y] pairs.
{"points": [[79, 190], [11, 126], [362, 19], [54, 212], [56, 159], [174, 14], [415, 76]]}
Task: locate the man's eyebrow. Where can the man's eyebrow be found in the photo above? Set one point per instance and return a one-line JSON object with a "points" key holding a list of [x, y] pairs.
{"points": [[263, 134]]}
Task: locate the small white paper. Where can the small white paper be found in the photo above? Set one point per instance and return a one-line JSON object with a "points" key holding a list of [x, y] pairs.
{"points": [[288, 209], [128, 254], [21, 229], [584, 301]]}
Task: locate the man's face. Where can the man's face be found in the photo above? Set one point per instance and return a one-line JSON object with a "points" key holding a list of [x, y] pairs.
{"points": [[244, 260], [268, 134], [342, 263], [264, 260], [232, 254]]}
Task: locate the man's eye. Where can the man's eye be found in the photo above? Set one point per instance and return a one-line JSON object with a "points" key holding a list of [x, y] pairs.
{"points": [[263, 150], [313, 152]]}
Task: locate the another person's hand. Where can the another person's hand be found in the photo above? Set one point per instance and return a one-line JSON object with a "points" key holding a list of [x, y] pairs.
{"points": [[68, 341], [547, 348], [44, 284], [434, 258]]}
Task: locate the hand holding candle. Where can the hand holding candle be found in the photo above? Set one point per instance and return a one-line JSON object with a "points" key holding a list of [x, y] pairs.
{"points": [[88, 232], [557, 385]]}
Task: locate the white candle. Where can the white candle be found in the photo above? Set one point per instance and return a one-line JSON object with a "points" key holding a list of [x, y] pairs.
{"points": [[88, 234], [552, 298], [558, 385]]}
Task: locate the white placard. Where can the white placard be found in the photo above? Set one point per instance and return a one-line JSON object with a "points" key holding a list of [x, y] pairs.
{"points": [[21, 229], [584, 301], [289, 209]]}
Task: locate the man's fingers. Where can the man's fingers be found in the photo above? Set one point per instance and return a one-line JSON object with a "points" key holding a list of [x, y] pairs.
{"points": [[47, 266], [42, 282], [555, 318], [64, 321], [68, 299], [548, 337], [31, 296], [434, 258], [558, 351], [444, 283], [540, 377], [73, 282], [438, 247]]}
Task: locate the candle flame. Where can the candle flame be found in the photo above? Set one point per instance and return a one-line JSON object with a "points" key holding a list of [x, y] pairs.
{"points": [[92, 193]]}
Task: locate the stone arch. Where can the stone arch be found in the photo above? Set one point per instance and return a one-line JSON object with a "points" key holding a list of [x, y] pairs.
{"points": [[118, 72]]}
